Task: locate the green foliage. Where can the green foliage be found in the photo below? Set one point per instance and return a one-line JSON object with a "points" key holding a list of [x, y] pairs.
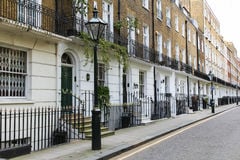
{"points": [[103, 96], [106, 50], [126, 23], [118, 51]]}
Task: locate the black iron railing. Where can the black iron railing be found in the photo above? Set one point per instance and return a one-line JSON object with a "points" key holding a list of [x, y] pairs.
{"points": [[161, 108], [36, 127], [201, 75], [181, 104]]}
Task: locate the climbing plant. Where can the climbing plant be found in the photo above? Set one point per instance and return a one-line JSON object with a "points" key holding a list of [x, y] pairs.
{"points": [[126, 23], [106, 49]]}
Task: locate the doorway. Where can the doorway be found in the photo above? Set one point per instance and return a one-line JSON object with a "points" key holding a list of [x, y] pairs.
{"points": [[66, 83]]}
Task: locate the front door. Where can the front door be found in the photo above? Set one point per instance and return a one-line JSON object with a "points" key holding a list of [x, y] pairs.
{"points": [[66, 93]]}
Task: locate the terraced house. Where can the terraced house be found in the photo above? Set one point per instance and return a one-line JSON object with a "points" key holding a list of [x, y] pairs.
{"points": [[153, 63]]}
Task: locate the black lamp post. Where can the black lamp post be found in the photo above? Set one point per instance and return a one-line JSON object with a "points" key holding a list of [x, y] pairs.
{"points": [[95, 27], [211, 75]]}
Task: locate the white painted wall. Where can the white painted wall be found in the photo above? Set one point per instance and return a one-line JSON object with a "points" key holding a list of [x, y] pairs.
{"points": [[41, 70]]}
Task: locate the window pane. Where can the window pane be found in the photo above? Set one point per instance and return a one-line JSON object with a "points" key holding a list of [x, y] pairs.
{"points": [[101, 74], [12, 72]]}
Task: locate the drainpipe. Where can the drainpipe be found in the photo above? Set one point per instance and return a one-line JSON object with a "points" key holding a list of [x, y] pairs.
{"points": [[186, 35]]}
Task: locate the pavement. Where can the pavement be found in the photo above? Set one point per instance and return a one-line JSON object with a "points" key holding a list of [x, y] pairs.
{"points": [[124, 139]]}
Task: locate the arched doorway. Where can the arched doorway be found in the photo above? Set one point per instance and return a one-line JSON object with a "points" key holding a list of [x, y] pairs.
{"points": [[66, 83]]}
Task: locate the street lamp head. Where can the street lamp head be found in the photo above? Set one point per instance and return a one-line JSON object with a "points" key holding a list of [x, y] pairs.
{"points": [[95, 26]]}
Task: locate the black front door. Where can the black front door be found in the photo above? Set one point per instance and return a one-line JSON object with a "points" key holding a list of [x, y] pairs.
{"points": [[66, 85]]}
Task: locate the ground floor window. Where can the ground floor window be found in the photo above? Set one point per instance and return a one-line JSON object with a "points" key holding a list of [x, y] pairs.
{"points": [[101, 74], [141, 84], [13, 71]]}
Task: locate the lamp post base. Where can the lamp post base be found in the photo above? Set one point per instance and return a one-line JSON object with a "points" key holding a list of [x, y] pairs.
{"points": [[96, 129], [212, 106]]}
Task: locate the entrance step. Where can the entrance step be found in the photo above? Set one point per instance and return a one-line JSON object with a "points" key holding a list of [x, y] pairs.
{"points": [[84, 125]]}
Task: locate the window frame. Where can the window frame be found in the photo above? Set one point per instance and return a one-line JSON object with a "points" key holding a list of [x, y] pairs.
{"points": [[141, 84], [28, 12], [168, 17], [101, 74], [145, 4], [176, 23], [159, 9], [23, 71]]}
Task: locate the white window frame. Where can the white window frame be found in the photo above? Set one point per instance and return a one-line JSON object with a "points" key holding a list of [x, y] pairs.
{"points": [[177, 52], [131, 36], [141, 84], [183, 29], [145, 4], [189, 35], [195, 63], [12, 70], [83, 17], [101, 74], [146, 41], [108, 18], [159, 46], [159, 9], [194, 39], [29, 12], [184, 56], [176, 23], [169, 48], [168, 17]]}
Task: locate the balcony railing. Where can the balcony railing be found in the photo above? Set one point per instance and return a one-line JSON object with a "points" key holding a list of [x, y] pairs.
{"points": [[201, 75], [41, 17]]}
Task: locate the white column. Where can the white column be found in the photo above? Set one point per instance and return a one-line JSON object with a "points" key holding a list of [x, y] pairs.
{"points": [[172, 89]]}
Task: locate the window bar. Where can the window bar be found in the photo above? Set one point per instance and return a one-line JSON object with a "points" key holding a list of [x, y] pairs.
{"points": [[19, 124], [27, 125], [5, 126], [41, 127], [14, 128], [45, 127], [79, 116], [55, 122], [34, 129], [69, 124], [30, 126], [1, 128], [38, 127], [75, 117], [23, 125], [48, 125], [10, 122], [52, 123]]}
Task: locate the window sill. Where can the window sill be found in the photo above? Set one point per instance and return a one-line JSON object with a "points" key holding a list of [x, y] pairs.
{"points": [[160, 19], [145, 7], [13, 101]]}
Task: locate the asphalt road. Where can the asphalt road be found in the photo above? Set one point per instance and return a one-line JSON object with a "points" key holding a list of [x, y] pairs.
{"points": [[215, 139]]}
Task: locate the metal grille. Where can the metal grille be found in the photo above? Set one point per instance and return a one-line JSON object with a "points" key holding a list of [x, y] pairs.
{"points": [[12, 72]]}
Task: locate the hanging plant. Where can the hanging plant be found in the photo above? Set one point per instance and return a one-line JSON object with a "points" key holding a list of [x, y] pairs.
{"points": [[103, 96], [106, 48], [126, 23]]}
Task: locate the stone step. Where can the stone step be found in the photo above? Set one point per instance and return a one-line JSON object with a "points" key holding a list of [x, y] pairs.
{"points": [[89, 131], [103, 134], [85, 125]]}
